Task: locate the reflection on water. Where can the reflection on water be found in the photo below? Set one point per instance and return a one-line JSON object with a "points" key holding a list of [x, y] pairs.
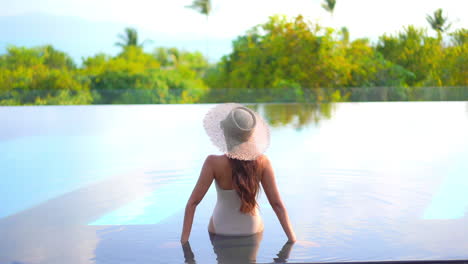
{"points": [[237, 249], [296, 115], [108, 184]]}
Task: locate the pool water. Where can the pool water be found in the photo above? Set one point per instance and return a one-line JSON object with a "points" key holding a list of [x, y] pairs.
{"points": [[108, 184]]}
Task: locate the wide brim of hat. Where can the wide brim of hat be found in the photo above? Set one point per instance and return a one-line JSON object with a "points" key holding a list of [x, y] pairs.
{"points": [[249, 150]]}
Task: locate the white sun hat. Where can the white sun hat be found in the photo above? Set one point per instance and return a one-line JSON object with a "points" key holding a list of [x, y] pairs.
{"points": [[237, 131]]}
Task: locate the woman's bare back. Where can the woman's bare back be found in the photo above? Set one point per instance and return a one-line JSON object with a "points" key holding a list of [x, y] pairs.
{"points": [[225, 190], [223, 171]]}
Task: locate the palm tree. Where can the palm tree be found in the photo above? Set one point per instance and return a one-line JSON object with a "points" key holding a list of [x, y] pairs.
{"points": [[438, 22], [130, 38], [329, 6], [345, 35], [201, 6]]}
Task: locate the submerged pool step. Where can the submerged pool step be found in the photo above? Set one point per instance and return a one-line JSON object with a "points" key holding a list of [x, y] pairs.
{"points": [[151, 209]]}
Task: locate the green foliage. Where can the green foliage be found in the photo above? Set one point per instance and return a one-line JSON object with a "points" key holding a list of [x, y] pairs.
{"points": [[293, 60], [459, 37], [455, 62], [43, 85], [21, 57], [40, 75], [415, 51], [137, 77], [283, 50], [171, 58], [162, 87], [282, 60], [369, 68], [298, 55], [44, 75], [24, 57], [56, 59]]}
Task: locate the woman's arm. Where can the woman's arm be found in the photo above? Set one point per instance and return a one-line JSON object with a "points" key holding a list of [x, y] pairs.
{"points": [[202, 186], [272, 193]]}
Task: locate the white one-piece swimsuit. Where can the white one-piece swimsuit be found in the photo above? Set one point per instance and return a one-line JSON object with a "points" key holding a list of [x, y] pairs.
{"points": [[228, 220]]}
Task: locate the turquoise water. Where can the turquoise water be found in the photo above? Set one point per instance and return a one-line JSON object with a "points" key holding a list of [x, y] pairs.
{"points": [[108, 184]]}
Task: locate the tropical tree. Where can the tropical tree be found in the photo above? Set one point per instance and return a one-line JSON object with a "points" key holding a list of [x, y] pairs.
{"points": [[201, 6], [329, 6], [344, 35], [415, 51], [171, 58], [460, 37], [40, 75], [135, 76], [57, 59], [284, 54], [130, 39], [438, 22]]}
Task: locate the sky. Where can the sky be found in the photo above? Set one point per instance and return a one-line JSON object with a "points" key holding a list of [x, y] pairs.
{"points": [[229, 19]]}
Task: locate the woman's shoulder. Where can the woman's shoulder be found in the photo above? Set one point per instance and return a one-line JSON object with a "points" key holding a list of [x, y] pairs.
{"points": [[263, 160], [219, 164], [263, 157], [214, 160], [213, 157]]}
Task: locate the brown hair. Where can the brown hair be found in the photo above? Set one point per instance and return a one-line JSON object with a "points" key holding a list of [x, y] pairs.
{"points": [[245, 182]]}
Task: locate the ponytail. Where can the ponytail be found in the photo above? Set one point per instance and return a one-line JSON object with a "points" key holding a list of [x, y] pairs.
{"points": [[245, 182]]}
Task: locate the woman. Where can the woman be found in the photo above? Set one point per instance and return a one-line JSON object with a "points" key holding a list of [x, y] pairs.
{"points": [[243, 136]]}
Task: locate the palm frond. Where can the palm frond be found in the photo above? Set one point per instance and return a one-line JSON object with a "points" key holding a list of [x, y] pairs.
{"points": [[201, 6], [437, 21], [329, 5], [129, 38]]}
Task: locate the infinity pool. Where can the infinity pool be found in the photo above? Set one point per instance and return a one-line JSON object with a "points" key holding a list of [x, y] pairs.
{"points": [[108, 184]]}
